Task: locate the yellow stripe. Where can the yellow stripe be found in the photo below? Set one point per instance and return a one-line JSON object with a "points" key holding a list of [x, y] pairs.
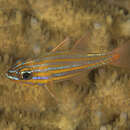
{"points": [[74, 68], [61, 70], [46, 67], [41, 74], [66, 76], [58, 60]]}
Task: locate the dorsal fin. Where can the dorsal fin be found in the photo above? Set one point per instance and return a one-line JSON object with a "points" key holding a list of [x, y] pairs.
{"points": [[82, 44], [64, 45]]}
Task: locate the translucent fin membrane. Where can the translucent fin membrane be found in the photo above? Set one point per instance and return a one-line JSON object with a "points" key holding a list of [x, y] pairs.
{"points": [[121, 56]]}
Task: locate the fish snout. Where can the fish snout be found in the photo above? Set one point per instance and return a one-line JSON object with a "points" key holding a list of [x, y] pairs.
{"points": [[11, 75]]}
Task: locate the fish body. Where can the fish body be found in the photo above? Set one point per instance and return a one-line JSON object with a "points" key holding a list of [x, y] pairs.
{"points": [[57, 66]]}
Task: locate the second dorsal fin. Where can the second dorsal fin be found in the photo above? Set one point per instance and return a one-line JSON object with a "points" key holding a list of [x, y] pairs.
{"points": [[80, 45]]}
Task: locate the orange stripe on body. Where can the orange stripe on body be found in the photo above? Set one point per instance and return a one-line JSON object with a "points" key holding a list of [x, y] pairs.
{"points": [[75, 68], [46, 67], [66, 76], [31, 63]]}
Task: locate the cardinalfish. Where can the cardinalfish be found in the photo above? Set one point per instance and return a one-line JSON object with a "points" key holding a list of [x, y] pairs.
{"points": [[63, 65]]}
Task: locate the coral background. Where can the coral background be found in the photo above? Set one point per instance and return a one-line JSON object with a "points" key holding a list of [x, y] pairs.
{"points": [[30, 29]]}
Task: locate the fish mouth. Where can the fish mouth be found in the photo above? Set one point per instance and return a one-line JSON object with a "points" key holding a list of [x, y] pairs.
{"points": [[11, 76]]}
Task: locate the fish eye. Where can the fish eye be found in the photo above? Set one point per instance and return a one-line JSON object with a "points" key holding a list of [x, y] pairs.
{"points": [[26, 75]]}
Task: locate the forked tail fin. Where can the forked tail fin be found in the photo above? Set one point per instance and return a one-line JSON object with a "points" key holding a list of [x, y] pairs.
{"points": [[121, 56]]}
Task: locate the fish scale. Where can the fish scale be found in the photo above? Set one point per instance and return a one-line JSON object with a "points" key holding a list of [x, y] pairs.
{"points": [[57, 67]]}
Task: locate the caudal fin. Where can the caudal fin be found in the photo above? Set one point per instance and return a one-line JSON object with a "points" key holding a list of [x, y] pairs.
{"points": [[121, 56]]}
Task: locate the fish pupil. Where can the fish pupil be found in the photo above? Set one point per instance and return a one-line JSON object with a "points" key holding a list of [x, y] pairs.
{"points": [[26, 75]]}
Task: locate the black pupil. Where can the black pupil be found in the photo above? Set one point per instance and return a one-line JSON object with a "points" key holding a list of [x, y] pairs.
{"points": [[26, 75]]}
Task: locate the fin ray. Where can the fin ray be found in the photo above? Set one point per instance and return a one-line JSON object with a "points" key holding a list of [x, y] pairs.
{"points": [[122, 56]]}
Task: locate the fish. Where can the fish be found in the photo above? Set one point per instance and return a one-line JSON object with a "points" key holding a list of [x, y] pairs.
{"points": [[64, 65]]}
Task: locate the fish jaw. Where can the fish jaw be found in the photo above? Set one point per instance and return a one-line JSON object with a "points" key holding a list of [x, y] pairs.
{"points": [[11, 75]]}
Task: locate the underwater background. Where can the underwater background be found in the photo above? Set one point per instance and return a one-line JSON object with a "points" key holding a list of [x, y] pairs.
{"points": [[30, 29]]}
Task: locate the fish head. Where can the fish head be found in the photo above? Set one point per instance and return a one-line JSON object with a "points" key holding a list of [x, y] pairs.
{"points": [[19, 72], [18, 75], [25, 72]]}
